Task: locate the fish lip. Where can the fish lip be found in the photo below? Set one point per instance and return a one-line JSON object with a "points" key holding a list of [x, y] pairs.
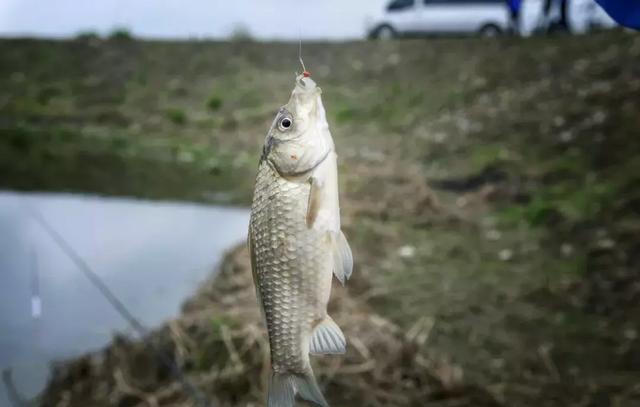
{"points": [[306, 84]]}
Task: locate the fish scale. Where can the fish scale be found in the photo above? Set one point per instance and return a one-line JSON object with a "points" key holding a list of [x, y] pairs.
{"points": [[291, 261]]}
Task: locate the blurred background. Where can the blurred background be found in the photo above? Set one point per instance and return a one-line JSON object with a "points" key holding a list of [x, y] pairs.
{"points": [[489, 167]]}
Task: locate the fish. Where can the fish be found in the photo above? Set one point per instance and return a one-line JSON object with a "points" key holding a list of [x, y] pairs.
{"points": [[296, 243]]}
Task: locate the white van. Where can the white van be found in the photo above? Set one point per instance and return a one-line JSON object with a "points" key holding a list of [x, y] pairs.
{"points": [[428, 17]]}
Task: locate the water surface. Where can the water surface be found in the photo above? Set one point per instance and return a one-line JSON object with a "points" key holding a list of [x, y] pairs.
{"points": [[152, 255]]}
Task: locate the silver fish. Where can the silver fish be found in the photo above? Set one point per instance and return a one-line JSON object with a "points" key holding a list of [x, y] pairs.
{"points": [[296, 244]]}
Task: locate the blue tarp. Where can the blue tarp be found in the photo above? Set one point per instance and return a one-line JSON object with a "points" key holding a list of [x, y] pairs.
{"points": [[625, 12], [515, 5]]}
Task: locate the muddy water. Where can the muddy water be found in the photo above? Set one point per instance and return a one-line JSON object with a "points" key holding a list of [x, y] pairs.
{"points": [[152, 255]]}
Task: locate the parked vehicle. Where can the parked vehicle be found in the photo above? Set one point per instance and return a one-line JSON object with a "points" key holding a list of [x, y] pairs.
{"points": [[431, 17], [480, 17]]}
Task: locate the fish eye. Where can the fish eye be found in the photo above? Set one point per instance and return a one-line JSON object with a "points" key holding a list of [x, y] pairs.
{"points": [[285, 123]]}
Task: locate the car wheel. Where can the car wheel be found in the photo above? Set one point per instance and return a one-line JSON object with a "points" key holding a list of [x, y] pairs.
{"points": [[384, 32], [490, 31]]}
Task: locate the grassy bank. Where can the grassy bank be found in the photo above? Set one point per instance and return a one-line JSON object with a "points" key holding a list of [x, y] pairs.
{"points": [[489, 191]]}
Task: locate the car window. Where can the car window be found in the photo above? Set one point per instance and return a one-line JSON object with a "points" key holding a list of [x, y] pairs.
{"points": [[400, 5]]}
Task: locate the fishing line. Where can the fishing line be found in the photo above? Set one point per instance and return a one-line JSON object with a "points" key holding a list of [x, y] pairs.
{"points": [[300, 53], [196, 394], [305, 73], [13, 395]]}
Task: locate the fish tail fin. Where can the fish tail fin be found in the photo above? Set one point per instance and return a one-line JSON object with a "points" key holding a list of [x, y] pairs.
{"points": [[284, 387]]}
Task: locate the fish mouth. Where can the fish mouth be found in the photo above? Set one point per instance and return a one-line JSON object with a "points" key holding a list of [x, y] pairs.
{"points": [[306, 86], [305, 98]]}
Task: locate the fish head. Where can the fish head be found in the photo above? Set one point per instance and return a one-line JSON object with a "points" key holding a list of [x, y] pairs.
{"points": [[299, 138]]}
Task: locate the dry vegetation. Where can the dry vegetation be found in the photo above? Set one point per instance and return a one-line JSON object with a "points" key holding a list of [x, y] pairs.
{"points": [[221, 342]]}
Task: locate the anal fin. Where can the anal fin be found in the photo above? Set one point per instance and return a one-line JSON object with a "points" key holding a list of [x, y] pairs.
{"points": [[327, 338]]}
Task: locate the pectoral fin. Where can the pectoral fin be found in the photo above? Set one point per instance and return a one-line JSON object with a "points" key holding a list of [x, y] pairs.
{"points": [[342, 258], [327, 338], [315, 200]]}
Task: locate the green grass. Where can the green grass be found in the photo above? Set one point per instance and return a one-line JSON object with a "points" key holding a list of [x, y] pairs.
{"points": [[214, 103], [177, 116]]}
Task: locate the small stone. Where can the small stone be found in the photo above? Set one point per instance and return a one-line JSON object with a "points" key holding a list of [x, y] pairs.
{"points": [[606, 243], [493, 234], [505, 254], [566, 136], [497, 363], [630, 333], [599, 117], [407, 251], [566, 249], [558, 121]]}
